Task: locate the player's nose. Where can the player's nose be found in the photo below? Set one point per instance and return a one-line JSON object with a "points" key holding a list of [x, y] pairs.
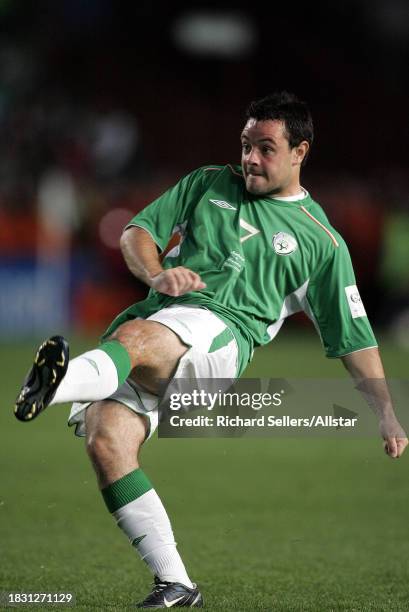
{"points": [[253, 158]]}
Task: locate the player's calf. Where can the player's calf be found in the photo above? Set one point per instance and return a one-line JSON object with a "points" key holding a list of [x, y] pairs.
{"points": [[114, 435]]}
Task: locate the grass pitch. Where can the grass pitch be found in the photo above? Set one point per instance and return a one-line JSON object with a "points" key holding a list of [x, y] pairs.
{"points": [[294, 524]]}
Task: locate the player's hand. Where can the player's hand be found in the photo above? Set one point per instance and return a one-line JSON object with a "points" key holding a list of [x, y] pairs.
{"points": [[395, 438], [177, 281]]}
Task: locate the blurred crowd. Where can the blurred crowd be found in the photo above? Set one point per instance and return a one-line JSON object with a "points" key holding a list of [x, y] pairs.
{"points": [[75, 168]]}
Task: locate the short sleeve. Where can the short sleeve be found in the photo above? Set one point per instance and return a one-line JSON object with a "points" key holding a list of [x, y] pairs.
{"points": [[336, 306], [171, 209]]}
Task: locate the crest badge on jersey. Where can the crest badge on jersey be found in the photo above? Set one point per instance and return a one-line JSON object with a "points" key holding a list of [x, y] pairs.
{"points": [[284, 244]]}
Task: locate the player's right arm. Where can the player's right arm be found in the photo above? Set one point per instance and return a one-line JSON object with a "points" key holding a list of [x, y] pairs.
{"points": [[150, 230], [142, 258]]}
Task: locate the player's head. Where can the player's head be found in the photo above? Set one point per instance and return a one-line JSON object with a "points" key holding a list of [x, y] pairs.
{"points": [[275, 143]]}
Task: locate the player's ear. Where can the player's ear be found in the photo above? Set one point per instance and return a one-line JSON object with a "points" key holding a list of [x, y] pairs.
{"points": [[299, 152]]}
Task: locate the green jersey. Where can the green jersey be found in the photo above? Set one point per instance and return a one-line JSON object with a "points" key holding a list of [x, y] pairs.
{"points": [[262, 259]]}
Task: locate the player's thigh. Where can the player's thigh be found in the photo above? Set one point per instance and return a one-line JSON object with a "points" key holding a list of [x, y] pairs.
{"points": [[112, 429], [155, 350]]}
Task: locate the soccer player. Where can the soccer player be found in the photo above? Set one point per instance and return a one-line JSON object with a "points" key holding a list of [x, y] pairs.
{"points": [[242, 249]]}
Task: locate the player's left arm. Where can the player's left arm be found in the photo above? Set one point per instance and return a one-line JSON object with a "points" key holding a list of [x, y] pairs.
{"points": [[366, 369]]}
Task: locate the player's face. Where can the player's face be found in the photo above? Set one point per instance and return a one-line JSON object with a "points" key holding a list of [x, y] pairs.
{"points": [[270, 166]]}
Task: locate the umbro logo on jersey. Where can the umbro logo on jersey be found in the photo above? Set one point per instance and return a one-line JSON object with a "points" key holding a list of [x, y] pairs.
{"points": [[222, 204], [284, 244]]}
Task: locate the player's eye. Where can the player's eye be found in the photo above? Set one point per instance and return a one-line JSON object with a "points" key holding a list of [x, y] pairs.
{"points": [[246, 147]]}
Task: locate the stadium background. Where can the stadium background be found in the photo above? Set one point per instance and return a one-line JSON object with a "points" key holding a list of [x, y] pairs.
{"points": [[103, 105]]}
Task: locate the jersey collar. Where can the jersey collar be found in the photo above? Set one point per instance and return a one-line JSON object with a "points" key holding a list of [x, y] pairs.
{"points": [[293, 198]]}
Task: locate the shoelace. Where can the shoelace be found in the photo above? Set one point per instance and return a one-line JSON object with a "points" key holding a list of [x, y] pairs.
{"points": [[160, 586]]}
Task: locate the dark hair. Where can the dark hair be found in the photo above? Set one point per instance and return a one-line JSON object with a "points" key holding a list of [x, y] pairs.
{"points": [[286, 107]]}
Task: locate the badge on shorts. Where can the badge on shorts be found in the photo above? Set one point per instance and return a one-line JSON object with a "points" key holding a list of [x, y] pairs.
{"points": [[284, 244]]}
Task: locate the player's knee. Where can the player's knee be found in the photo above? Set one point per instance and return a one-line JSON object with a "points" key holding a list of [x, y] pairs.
{"points": [[114, 437], [135, 336], [102, 448], [109, 445], [144, 341]]}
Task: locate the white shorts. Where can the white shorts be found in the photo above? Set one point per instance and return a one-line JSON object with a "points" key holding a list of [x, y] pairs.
{"points": [[213, 353]]}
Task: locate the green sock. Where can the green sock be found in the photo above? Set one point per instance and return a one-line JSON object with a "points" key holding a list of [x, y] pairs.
{"points": [[119, 356], [126, 489]]}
